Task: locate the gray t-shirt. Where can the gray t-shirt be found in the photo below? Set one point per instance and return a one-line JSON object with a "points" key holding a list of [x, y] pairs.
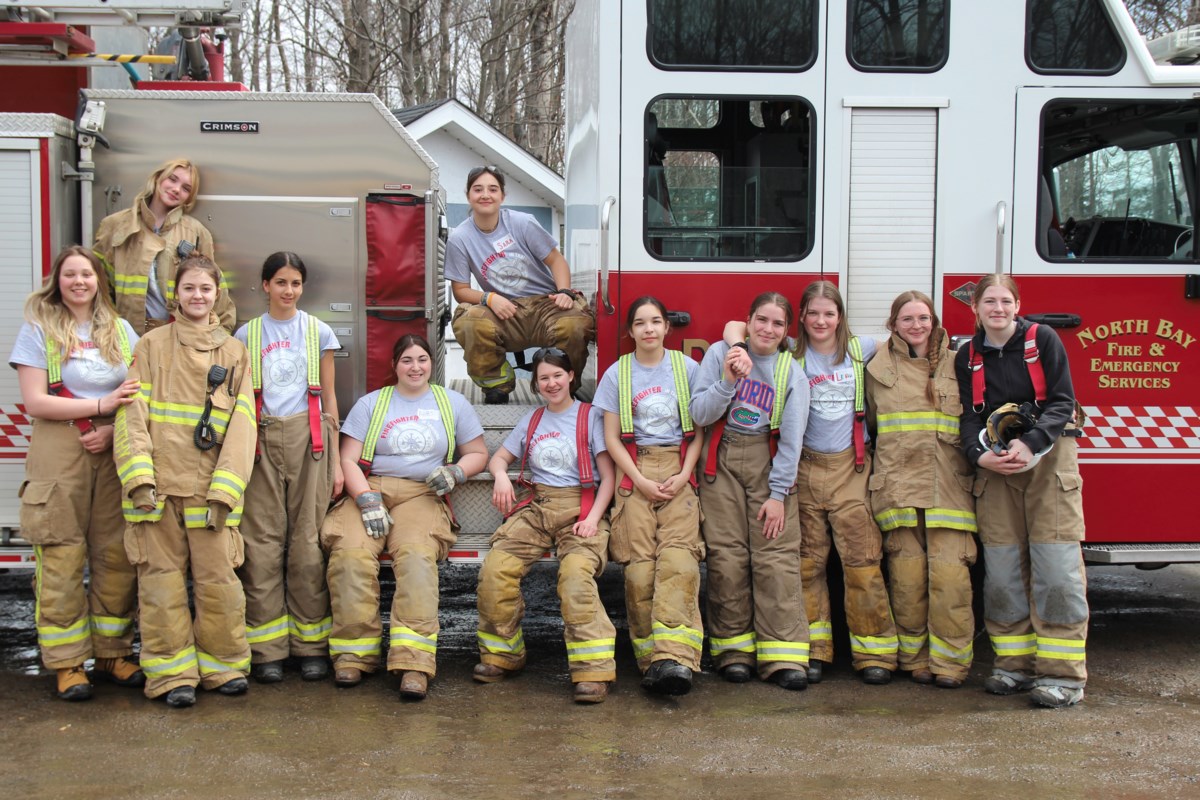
{"points": [[285, 361], [156, 304], [831, 414], [655, 403], [553, 457], [412, 442], [509, 260], [747, 406], [84, 373]]}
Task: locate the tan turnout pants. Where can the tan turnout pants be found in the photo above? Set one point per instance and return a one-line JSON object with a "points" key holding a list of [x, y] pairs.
{"points": [[929, 572], [420, 537], [177, 650], [71, 514], [1035, 589], [832, 494], [756, 609], [486, 339], [287, 602], [660, 544], [516, 545]]}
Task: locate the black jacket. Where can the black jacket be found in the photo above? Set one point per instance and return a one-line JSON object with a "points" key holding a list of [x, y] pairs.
{"points": [[1007, 380]]}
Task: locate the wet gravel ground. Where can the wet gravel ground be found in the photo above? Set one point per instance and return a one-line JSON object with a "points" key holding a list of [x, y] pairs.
{"points": [[1136, 736]]}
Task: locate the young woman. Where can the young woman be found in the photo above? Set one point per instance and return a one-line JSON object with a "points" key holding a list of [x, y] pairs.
{"points": [[526, 298], [398, 450], [921, 493], [755, 607], [71, 357], [184, 450], [296, 473], [142, 246], [1029, 498], [832, 490], [649, 434], [563, 444]]}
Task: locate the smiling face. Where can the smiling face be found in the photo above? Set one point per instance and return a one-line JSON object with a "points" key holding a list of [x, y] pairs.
{"points": [[997, 311], [485, 195], [821, 320], [174, 189], [766, 327], [914, 324], [649, 329], [554, 384], [283, 291], [413, 368], [78, 284], [196, 293]]}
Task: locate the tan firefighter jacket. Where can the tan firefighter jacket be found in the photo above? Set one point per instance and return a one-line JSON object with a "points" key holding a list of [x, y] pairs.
{"points": [[918, 460], [154, 441], [127, 245]]}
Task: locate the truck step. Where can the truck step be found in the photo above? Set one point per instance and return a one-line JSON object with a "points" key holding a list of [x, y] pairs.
{"points": [[1142, 554]]}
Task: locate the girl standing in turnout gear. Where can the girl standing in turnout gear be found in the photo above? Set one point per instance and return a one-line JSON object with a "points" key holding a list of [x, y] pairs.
{"points": [[71, 357], [563, 443], [921, 493], [832, 491], [184, 450], [296, 473], [398, 448], [759, 402], [1030, 509], [656, 520], [141, 247]]}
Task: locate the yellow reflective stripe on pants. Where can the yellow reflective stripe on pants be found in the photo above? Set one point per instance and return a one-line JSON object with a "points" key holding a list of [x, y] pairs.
{"points": [[591, 650], [267, 632], [403, 636], [315, 632], [682, 634], [911, 645], [173, 665], [820, 630], [1063, 649], [369, 646], [743, 643], [111, 626], [494, 644], [1023, 645], [939, 647], [783, 651], [51, 635], [874, 645], [211, 665], [642, 647]]}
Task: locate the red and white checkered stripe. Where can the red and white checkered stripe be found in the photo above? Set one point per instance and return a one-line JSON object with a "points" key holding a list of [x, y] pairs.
{"points": [[15, 430], [1141, 427]]}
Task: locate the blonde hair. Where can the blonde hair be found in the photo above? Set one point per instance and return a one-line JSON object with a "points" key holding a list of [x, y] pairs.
{"points": [[46, 309], [987, 282], [936, 336], [147, 193], [827, 291]]}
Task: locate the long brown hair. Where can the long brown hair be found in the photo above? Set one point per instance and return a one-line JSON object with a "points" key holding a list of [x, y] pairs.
{"points": [[936, 336], [828, 291], [147, 192], [46, 309]]}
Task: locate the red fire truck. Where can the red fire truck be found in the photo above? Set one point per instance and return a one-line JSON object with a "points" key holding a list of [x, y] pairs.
{"points": [[719, 148]]}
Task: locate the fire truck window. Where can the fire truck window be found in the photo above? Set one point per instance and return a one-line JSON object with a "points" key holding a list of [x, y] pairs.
{"points": [[728, 179], [1121, 180], [1071, 36], [732, 34], [898, 36]]}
